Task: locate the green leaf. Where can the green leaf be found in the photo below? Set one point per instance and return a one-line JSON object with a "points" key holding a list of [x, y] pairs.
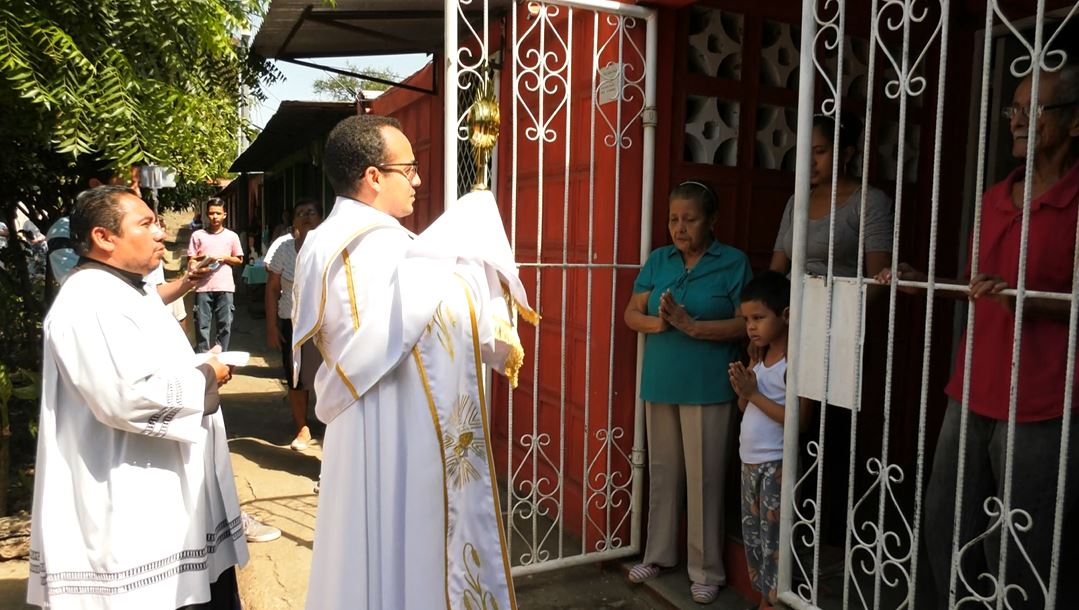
{"points": [[5, 386], [27, 393]]}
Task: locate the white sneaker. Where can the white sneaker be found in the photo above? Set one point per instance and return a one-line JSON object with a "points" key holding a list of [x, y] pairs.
{"points": [[256, 531]]}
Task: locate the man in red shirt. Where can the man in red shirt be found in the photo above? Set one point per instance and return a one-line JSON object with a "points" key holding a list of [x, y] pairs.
{"points": [[1036, 443]]}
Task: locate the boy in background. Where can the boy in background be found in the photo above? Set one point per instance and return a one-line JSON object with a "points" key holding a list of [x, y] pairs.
{"points": [[214, 298]]}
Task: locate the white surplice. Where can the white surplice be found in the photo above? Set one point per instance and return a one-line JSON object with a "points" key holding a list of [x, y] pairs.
{"points": [[408, 514], [134, 501]]}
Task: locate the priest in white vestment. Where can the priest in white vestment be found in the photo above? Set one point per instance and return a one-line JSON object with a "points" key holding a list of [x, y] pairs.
{"points": [[134, 501], [408, 514]]}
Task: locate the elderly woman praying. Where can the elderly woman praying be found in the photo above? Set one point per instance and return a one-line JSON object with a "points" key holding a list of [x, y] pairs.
{"points": [[685, 302]]}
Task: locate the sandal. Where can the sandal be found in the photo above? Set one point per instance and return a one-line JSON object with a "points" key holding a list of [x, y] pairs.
{"points": [[642, 572], [704, 594]]}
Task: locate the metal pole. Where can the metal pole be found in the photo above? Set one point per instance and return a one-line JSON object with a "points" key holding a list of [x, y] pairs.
{"points": [[647, 206], [806, 78], [449, 125]]}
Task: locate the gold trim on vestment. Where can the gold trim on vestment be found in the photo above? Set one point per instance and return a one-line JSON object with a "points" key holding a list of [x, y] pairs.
{"points": [[440, 325], [487, 441], [442, 454], [530, 315], [475, 596], [351, 290], [464, 437], [345, 380], [322, 304], [505, 333]]}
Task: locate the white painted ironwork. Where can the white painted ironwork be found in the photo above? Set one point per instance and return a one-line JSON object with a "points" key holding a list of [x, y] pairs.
{"points": [[451, 62], [884, 523], [474, 67], [538, 58]]}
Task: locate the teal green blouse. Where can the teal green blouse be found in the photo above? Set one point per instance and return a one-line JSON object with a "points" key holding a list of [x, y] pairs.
{"points": [[677, 368]]}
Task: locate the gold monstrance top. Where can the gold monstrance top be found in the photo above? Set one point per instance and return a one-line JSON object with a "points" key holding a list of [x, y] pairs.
{"points": [[483, 124]]}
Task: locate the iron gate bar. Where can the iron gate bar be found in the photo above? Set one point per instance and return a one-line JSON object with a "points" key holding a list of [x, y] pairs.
{"points": [[1020, 298], [852, 438], [1004, 515], [449, 101], [800, 217], [635, 457], [1069, 382], [923, 399], [983, 114]]}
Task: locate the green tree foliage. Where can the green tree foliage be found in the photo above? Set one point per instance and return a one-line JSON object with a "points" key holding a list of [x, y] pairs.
{"points": [[120, 83], [341, 88], [92, 84], [134, 81]]}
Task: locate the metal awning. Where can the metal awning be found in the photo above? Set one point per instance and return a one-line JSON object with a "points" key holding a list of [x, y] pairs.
{"points": [[294, 29], [292, 127]]}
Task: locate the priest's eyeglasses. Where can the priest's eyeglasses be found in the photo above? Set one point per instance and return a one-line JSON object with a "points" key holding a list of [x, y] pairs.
{"points": [[410, 171], [1010, 112]]}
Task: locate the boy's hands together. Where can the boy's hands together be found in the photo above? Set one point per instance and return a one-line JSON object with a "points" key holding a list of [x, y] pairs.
{"points": [[743, 380]]}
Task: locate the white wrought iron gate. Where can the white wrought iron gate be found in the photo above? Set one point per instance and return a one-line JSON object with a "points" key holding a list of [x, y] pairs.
{"points": [[880, 563], [574, 178]]}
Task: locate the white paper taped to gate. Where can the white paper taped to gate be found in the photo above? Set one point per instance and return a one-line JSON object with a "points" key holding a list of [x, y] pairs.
{"points": [[610, 82], [848, 315]]}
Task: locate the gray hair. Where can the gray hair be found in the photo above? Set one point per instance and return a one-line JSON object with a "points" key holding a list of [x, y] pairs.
{"points": [[699, 193]]}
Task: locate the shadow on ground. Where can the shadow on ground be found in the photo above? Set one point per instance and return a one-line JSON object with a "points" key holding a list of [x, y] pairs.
{"points": [[581, 588], [13, 576], [273, 457]]}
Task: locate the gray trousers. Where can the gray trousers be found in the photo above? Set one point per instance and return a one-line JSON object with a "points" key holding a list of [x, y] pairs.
{"points": [[688, 447], [1034, 487]]}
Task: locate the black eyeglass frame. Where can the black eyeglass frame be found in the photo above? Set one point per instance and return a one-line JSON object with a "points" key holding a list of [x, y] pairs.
{"points": [[409, 174]]}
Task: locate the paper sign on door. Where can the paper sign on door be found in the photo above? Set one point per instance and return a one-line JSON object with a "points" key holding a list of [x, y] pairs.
{"points": [[848, 315]]}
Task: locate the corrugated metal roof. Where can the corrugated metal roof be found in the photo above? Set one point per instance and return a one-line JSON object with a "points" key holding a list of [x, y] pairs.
{"points": [[295, 29], [292, 127]]}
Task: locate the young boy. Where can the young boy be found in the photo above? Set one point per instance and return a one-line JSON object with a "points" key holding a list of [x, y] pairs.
{"points": [[214, 298], [762, 390]]}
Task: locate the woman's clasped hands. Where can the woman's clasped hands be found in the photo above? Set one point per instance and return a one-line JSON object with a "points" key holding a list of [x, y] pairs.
{"points": [[674, 314]]}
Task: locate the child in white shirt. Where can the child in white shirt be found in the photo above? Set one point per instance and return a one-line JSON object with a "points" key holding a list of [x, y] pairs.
{"points": [[762, 389]]}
